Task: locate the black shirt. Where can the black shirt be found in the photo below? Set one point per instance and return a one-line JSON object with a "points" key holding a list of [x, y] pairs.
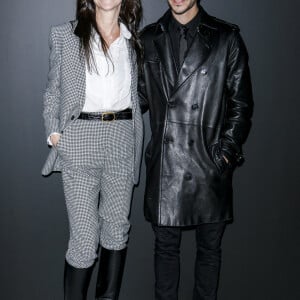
{"points": [[174, 32]]}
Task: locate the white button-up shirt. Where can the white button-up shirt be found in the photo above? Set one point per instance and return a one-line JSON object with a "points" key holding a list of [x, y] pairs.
{"points": [[108, 88]]}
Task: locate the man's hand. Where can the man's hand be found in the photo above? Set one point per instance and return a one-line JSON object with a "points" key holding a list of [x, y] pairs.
{"points": [[54, 138]]}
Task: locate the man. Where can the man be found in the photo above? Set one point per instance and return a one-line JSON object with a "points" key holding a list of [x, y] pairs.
{"points": [[196, 84]]}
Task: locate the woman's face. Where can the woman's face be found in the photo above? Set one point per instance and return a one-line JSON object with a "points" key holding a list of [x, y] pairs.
{"points": [[107, 5]]}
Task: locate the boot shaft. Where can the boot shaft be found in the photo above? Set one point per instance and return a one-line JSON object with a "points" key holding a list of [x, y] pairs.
{"points": [[111, 268], [76, 282]]}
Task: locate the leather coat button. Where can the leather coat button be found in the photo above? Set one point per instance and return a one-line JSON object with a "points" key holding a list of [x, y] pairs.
{"points": [[188, 176], [73, 117], [204, 72], [168, 140], [172, 104], [195, 106]]}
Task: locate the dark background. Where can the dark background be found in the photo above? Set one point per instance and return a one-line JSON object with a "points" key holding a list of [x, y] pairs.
{"points": [[260, 250]]}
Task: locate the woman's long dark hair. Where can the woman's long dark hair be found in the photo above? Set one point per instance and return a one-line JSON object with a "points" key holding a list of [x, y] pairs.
{"points": [[130, 15]]}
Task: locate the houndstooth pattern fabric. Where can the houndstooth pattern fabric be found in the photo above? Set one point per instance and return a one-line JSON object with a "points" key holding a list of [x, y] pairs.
{"points": [[64, 96], [96, 157]]}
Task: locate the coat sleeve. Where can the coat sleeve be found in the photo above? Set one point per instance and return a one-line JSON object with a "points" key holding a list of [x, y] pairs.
{"points": [[142, 92], [52, 93], [239, 101]]}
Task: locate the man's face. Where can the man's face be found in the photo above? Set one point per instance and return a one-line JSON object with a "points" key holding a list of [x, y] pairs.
{"points": [[180, 7]]}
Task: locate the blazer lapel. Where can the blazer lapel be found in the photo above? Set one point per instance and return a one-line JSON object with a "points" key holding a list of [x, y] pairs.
{"points": [[79, 67], [134, 74]]}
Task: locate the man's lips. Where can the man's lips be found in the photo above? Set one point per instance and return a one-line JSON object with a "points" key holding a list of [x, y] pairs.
{"points": [[178, 2]]}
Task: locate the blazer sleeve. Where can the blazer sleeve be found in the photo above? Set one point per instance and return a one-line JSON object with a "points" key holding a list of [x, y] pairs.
{"points": [[52, 93], [239, 101]]}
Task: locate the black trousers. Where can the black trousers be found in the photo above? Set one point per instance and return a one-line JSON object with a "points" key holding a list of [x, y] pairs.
{"points": [[207, 265]]}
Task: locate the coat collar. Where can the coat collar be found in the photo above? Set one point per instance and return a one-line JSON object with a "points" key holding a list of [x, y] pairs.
{"points": [[205, 20]]}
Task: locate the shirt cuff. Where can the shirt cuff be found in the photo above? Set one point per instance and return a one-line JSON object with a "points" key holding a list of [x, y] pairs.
{"points": [[49, 140]]}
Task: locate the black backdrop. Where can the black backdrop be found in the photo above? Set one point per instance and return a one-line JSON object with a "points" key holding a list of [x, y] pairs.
{"points": [[260, 250]]}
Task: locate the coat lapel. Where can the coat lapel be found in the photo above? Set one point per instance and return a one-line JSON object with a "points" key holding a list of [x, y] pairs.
{"points": [[199, 51], [166, 56], [165, 53]]}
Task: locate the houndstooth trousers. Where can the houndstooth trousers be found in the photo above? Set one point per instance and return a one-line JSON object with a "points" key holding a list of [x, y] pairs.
{"points": [[97, 159]]}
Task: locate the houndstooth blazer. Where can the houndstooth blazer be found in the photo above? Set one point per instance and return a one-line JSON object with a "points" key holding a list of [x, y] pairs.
{"points": [[64, 96]]}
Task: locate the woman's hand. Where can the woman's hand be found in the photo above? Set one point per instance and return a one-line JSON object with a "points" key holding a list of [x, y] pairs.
{"points": [[54, 138]]}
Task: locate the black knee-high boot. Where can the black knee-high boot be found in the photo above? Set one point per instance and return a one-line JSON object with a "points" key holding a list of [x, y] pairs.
{"points": [[110, 274], [76, 282]]}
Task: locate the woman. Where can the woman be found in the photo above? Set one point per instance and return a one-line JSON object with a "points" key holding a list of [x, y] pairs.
{"points": [[94, 125]]}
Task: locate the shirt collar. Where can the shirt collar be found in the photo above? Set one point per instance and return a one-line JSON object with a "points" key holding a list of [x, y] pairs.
{"points": [[191, 26], [125, 32]]}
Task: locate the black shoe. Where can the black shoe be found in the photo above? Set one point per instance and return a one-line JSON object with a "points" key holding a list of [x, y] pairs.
{"points": [[76, 282], [110, 274]]}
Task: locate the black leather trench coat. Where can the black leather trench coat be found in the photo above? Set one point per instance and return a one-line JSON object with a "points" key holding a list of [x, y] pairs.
{"points": [[198, 114]]}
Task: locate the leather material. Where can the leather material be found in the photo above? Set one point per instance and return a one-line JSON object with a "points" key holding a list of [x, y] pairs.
{"points": [[110, 274], [197, 117], [76, 282], [106, 117]]}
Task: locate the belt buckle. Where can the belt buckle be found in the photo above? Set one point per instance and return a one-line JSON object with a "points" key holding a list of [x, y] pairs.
{"points": [[108, 113]]}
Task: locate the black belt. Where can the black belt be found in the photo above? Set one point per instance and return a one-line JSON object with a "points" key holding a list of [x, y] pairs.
{"points": [[107, 116]]}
